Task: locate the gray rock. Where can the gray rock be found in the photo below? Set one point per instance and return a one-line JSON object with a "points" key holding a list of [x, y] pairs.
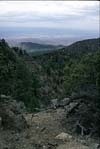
{"points": [[59, 103], [64, 137], [64, 102], [54, 103]]}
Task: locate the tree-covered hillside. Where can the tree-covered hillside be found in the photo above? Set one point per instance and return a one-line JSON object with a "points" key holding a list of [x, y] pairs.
{"points": [[16, 79], [68, 70], [38, 79], [75, 72]]}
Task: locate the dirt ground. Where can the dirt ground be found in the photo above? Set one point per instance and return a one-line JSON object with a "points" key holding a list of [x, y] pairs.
{"points": [[41, 134]]}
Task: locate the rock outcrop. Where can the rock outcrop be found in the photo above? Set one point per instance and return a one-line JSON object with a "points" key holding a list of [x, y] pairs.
{"points": [[55, 103]]}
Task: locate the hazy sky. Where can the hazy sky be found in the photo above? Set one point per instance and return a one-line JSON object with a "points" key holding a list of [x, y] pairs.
{"points": [[49, 19]]}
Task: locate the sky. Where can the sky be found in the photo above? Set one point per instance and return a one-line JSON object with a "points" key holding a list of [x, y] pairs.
{"points": [[49, 19]]}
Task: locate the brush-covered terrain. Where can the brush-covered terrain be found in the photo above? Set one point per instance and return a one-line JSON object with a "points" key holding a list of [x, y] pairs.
{"points": [[51, 100]]}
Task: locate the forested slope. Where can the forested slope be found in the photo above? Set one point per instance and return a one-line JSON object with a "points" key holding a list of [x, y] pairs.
{"points": [[36, 80], [72, 69], [16, 79]]}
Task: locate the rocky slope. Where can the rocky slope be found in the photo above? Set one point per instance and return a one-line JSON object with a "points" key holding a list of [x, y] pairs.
{"points": [[42, 130]]}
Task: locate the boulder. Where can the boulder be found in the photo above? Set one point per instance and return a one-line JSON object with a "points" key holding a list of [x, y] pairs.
{"points": [[63, 102], [59, 103], [54, 103], [64, 137]]}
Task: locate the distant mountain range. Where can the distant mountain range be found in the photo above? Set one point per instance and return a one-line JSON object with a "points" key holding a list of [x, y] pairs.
{"points": [[31, 47], [49, 41], [36, 47]]}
